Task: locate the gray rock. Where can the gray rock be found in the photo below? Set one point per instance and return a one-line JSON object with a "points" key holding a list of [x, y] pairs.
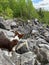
{"points": [[46, 34], [33, 52], [22, 47], [27, 58], [2, 23], [4, 60], [16, 58], [1, 19], [2, 26], [41, 41], [2, 35], [42, 55], [47, 64], [31, 43], [8, 34]]}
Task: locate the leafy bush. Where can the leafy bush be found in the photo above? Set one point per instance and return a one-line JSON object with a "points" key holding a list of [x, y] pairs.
{"points": [[22, 9]]}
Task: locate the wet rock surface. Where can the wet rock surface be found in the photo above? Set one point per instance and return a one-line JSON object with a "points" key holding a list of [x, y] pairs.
{"points": [[32, 49]]}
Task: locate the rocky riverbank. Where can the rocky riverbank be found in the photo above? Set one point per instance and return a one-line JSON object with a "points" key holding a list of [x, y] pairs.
{"points": [[32, 49]]}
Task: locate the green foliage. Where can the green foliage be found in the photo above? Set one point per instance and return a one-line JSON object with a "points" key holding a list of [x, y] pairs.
{"points": [[4, 3], [17, 8], [1, 10], [5, 10], [43, 16], [40, 12], [22, 9], [8, 13], [46, 17]]}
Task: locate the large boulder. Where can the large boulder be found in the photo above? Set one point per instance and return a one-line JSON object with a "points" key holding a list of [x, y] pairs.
{"points": [[4, 60], [31, 43], [15, 58], [2, 23], [2, 35], [22, 47], [2, 26], [27, 58], [8, 34], [46, 34]]}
